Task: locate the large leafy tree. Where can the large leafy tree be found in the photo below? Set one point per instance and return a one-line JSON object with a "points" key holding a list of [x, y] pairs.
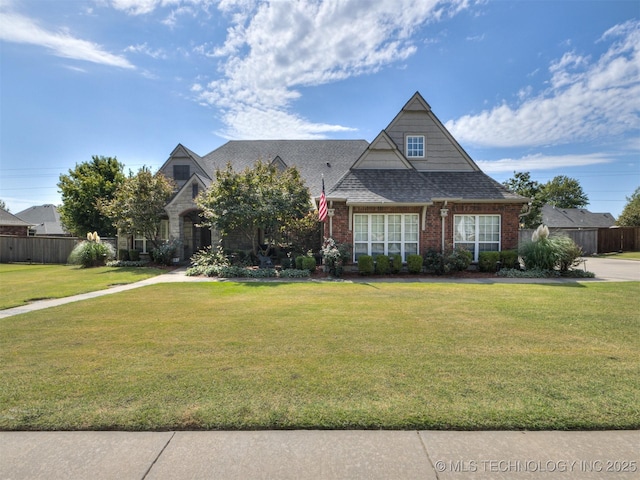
{"points": [[138, 204], [630, 216], [88, 184], [564, 192], [522, 184], [259, 197]]}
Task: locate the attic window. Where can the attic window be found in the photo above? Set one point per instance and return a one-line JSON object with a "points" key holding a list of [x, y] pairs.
{"points": [[181, 172], [415, 146]]}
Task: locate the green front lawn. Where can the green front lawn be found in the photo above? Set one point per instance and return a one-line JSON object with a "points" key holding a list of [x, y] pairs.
{"points": [[328, 355], [25, 283]]}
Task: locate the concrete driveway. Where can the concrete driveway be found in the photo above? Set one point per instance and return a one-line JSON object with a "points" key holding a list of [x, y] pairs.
{"points": [[613, 270]]}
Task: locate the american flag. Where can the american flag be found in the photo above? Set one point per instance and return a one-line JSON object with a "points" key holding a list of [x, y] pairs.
{"points": [[322, 207]]}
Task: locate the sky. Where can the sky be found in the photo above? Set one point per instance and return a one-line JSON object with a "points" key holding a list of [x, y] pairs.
{"points": [[546, 87]]}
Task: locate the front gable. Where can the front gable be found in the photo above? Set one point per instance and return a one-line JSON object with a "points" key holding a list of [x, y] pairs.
{"points": [[184, 199], [382, 154], [181, 165], [442, 153]]}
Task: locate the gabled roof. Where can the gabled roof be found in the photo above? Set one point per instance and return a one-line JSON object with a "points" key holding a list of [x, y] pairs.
{"points": [[411, 187], [8, 219], [204, 182], [313, 158], [575, 218], [382, 149], [182, 151], [46, 219]]}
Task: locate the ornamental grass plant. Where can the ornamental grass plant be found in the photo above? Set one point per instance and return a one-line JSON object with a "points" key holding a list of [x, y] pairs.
{"points": [[548, 251]]}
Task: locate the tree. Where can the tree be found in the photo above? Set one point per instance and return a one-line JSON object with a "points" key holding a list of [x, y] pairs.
{"points": [[258, 197], [88, 184], [630, 216], [522, 184], [3, 206], [564, 192], [138, 204]]}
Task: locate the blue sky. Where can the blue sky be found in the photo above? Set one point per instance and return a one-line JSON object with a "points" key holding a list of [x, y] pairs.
{"points": [[549, 87]]}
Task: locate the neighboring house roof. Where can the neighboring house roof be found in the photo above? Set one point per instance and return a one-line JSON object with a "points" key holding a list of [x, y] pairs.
{"points": [[575, 218], [46, 219], [10, 220]]}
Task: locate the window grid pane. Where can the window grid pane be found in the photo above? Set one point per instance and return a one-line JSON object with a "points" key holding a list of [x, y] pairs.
{"points": [[477, 233], [415, 146], [378, 234]]}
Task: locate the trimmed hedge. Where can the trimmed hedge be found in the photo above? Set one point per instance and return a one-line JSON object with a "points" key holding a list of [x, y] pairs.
{"points": [[383, 265], [414, 263], [487, 261], [396, 263], [365, 265]]}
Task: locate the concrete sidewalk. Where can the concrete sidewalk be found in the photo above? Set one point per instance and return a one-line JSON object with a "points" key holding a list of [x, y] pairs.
{"points": [[314, 454]]}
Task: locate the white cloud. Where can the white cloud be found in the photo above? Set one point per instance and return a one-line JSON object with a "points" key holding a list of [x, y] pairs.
{"points": [[543, 162], [144, 49], [17, 28], [274, 47], [586, 100]]}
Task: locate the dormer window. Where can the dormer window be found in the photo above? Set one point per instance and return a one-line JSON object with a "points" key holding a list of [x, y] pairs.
{"points": [[415, 146], [181, 172]]}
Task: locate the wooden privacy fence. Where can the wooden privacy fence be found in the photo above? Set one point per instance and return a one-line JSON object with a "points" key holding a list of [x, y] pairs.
{"points": [[597, 240], [36, 249], [626, 239]]}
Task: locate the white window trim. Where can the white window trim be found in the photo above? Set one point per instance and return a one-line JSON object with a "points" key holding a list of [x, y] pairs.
{"points": [[403, 241], [406, 146], [476, 241]]}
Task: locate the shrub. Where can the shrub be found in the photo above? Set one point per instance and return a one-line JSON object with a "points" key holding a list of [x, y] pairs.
{"points": [[396, 263], [293, 273], [210, 256], [165, 253], [123, 254], [382, 265], [487, 261], [365, 265], [308, 263], [414, 263], [335, 255], [299, 262], [434, 262], [134, 255], [460, 259], [509, 259], [91, 254], [127, 263]]}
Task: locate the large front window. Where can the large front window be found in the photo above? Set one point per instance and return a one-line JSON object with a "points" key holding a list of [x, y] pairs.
{"points": [[377, 234], [477, 233]]}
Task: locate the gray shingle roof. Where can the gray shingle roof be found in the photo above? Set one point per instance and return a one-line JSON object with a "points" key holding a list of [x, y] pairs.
{"points": [[45, 218], [9, 219], [575, 218], [314, 158], [410, 186]]}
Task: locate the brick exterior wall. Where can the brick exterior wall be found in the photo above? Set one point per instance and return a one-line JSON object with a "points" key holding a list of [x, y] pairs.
{"points": [[431, 233]]}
